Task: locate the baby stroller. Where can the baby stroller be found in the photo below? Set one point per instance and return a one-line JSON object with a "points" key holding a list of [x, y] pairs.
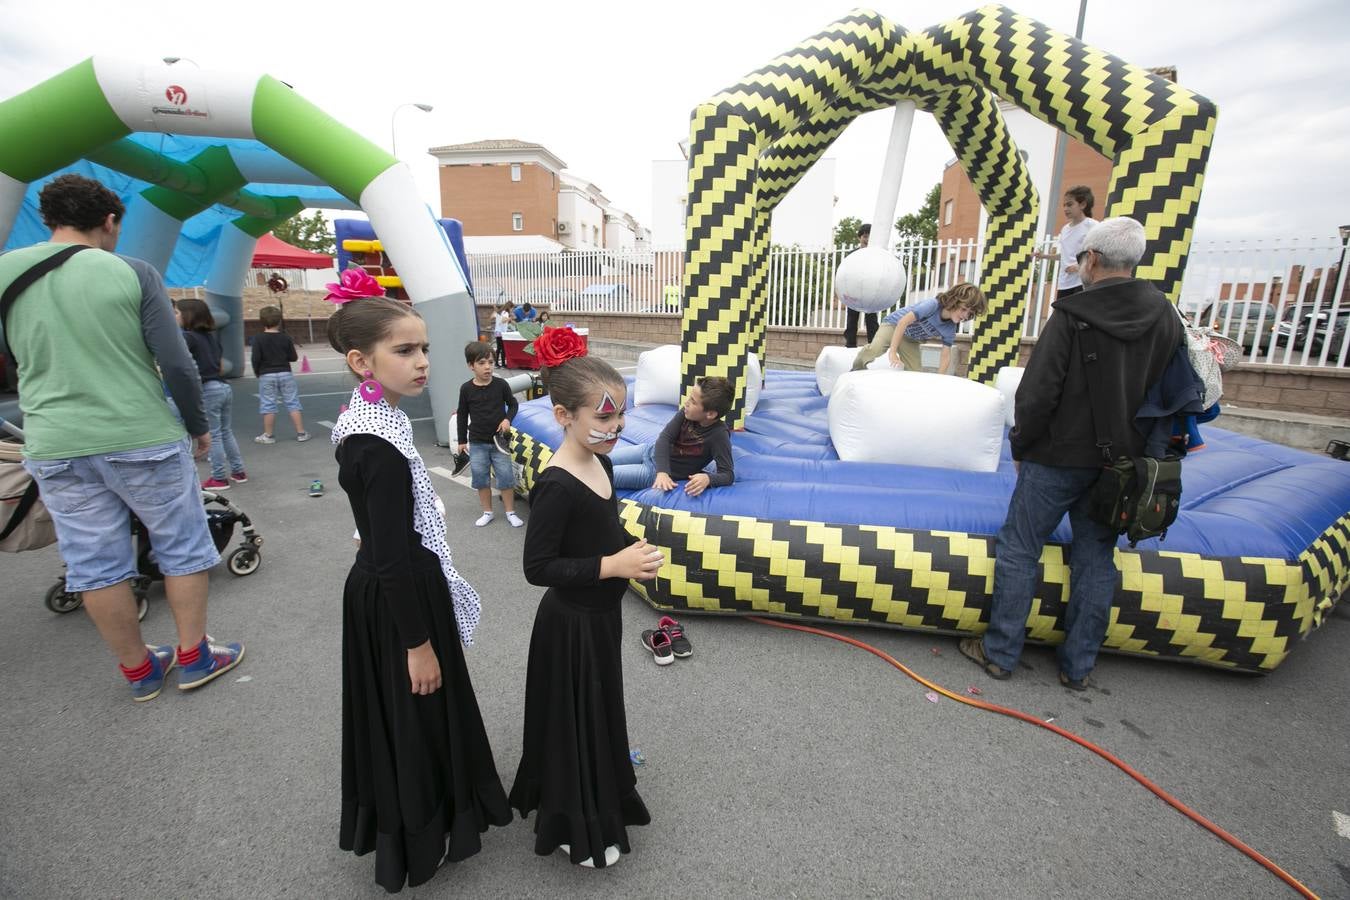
{"points": [[221, 517]]}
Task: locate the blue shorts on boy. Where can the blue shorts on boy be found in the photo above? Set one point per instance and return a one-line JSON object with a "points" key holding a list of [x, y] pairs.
{"points": [[90, 497], [278, 389], [481, 410], [485, 459]]}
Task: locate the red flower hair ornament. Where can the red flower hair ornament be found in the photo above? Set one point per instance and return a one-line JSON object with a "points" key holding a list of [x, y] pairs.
{"points": [[353, 284], [557, 345]]}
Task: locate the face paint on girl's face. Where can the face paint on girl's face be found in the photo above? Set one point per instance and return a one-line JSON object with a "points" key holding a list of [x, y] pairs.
{"points": [[598, 423], [602, 437]]}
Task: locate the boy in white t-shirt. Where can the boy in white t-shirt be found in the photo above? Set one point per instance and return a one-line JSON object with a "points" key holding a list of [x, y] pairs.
{"points": [[1078, 202]]}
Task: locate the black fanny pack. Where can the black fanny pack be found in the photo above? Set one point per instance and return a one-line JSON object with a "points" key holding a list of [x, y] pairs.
{"points": [[1137, 496]]}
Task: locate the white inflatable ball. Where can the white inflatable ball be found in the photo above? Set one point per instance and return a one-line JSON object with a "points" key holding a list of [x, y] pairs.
{"points": [[1007, 381], [831, 363], [916, 419], [870, 280], [658, 376]]}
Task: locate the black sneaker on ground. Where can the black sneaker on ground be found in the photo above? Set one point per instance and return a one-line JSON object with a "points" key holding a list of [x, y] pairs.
{"points": [[503, 442], [657, 641], [679, 642], [461, 463]]}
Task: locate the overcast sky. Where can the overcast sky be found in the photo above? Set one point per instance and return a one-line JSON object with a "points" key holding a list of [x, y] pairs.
{"points": [[608, 87]]}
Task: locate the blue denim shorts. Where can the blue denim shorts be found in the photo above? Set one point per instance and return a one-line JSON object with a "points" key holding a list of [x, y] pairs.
{"points": [[486, 457], [277, 388], [91, 499]]}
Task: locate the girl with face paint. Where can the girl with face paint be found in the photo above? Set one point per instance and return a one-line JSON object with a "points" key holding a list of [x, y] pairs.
{"points": [[574, 768]]}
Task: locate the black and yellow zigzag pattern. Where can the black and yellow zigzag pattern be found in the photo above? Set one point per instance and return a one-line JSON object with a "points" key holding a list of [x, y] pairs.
{"points": [[1241, 613], [1236, 613], [752, 142]]}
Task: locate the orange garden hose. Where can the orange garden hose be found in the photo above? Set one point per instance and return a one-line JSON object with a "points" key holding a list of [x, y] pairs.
{"points": [[1069, 735]]}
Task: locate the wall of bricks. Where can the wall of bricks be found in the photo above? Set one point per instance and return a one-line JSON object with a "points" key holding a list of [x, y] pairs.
{"points": [[1324, 392]]}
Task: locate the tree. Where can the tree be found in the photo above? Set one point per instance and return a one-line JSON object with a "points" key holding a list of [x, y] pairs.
{"points": [[846, 232], [922, 224], [308, 233]]}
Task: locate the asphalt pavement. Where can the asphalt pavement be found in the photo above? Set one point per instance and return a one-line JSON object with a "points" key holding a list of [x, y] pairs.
{"points": [[777, 764]]}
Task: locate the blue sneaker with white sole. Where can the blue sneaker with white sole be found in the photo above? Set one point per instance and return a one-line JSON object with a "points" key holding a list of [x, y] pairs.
{"points": [[213, 661], [161, 663]]}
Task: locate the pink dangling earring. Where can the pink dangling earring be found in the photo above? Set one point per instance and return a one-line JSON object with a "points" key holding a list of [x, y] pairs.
{"points": [[371, 390]]}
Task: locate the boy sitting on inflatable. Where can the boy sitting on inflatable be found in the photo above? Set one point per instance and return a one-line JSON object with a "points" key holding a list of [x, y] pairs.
{"points": [[903, 330], [694, 437]]}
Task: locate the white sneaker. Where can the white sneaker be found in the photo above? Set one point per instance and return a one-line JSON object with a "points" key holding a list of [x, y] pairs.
{"points": [[612, 855], [302, 436], [484, 519], [515, 520], [264, 439]]}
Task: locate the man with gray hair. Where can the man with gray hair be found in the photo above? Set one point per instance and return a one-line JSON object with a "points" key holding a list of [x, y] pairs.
{"points": [[1055, 447]]}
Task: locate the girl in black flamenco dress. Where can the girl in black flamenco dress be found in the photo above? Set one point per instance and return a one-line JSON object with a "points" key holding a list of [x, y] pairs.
{"points": [[418, 782], [575, 771]]}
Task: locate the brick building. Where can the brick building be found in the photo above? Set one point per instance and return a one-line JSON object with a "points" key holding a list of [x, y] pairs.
{"points": [[516, 195]]}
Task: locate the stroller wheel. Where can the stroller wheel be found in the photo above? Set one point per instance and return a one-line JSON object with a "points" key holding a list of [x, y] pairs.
{"points": [[59, 600], [243, 561]]}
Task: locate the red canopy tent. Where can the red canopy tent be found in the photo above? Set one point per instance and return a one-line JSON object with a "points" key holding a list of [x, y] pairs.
{"points": [[274, 253]]}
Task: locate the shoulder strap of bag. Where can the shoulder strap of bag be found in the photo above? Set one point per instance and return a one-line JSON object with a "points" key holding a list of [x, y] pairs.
{"points": [[26, 503], [26, 280], [1087, 354]]}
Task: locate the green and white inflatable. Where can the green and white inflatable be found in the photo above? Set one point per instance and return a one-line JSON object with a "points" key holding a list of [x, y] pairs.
{"points": [[88, 112]]}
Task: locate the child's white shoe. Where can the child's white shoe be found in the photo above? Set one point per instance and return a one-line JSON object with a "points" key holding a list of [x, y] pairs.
{"points": [[611, 855], [514, 520], [484, 519]]}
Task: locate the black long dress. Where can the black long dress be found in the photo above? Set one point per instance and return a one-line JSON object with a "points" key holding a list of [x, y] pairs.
{"points": [[416, 770], [574, 768]]}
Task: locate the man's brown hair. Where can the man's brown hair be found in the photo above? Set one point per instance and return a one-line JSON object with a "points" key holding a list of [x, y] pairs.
{"points": [[73, 201]]}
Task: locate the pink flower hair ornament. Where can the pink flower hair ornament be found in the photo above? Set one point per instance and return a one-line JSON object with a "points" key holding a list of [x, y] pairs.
{"points": [[353, 284]]}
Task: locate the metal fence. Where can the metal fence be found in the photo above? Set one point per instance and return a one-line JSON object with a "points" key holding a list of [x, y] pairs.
{"points": [[1284, 301]]}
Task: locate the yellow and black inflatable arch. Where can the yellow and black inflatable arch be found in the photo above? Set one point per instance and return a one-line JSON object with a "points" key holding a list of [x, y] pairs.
{"points": [[749, 144]]}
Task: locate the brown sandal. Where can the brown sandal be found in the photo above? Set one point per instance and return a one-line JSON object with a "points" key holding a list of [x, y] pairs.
{"points": [[973, 648]]}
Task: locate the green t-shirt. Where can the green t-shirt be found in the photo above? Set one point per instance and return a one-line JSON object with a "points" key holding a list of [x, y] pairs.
{"points": [[83, 336]]}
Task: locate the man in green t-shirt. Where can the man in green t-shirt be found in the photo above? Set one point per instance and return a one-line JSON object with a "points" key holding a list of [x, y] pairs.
{"points": [[99, 438]]}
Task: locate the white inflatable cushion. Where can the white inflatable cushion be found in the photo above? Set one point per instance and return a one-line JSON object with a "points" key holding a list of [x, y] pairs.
{"points": [[831, 363], [658, 378], [1007, 381], [916, 419], [754, 382]]}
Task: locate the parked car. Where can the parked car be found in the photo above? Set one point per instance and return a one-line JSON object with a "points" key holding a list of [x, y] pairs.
{"points": [[1313, 329], [1249, 322]]}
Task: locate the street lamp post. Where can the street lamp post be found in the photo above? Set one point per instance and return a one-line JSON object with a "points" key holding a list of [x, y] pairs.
{"points": [[393, 133]]}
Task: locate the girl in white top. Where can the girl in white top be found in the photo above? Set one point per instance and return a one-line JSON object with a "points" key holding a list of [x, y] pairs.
{"points": [[1078, 202], [1078, 209], [501, 324]]}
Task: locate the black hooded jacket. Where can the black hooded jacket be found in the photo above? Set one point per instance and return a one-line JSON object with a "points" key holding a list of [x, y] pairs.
{"points": [[1137, 330]]}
